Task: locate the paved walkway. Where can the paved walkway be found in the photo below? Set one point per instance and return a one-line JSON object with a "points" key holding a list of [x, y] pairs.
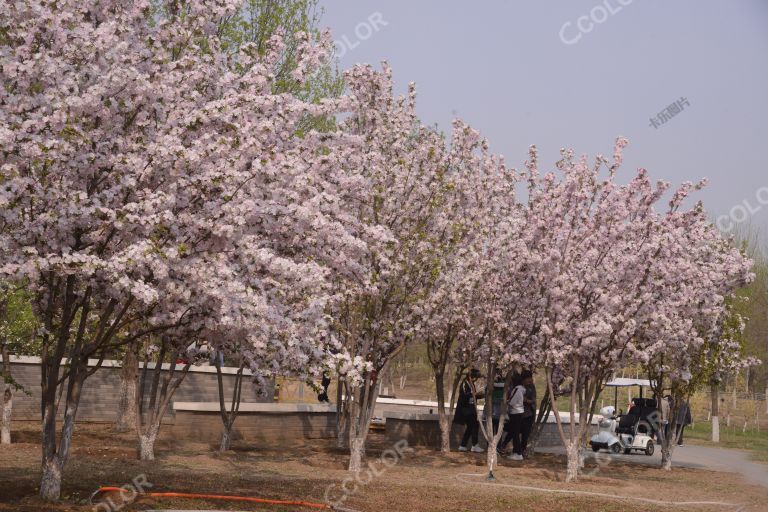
{"points": [[695, 456]]}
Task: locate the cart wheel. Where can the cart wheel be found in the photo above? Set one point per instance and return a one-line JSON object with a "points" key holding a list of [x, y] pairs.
{"points": [[649, 448], [595, 448], [616, 448]]}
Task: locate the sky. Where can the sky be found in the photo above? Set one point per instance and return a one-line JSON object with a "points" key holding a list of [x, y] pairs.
{"points": [[579, 73]]}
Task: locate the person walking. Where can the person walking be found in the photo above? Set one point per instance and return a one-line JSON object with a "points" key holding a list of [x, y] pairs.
{"points": [[515, 410], [466, 412], [683, 420], [323, 395], [529, 411]]}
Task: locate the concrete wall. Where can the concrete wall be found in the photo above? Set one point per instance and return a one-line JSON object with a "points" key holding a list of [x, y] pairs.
{"points": [[100, 392]]}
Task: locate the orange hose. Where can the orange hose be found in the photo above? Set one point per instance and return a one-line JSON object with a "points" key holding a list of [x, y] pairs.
{"points": [[219, 497]]}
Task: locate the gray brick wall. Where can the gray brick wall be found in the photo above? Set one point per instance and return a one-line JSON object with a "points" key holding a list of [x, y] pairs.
{"points": [[100, 392], [283, 429]]}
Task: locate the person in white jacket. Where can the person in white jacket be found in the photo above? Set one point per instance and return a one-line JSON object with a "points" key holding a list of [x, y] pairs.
{"points": [[515, 410]]}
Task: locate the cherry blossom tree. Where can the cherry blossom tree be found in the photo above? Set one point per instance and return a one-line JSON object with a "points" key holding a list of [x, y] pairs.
{"points": [[480, 197], [603, 258], [132, 146], [693, 337], [485, 297], [412, 180]]}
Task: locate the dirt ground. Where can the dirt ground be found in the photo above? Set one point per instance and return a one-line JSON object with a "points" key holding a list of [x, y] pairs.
{"points": [[420, 481]]}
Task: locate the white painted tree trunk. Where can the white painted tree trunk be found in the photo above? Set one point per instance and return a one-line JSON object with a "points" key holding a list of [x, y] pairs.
{"points": [[666, 452], [147, 446], [715, 406], [572, 458], [445, 431], [356, 453], [666, 460], [491, 455], [5, 415]]}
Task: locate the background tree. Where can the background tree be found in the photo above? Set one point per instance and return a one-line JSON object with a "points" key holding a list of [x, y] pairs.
{"points": [[17, 336], [293, 20]]}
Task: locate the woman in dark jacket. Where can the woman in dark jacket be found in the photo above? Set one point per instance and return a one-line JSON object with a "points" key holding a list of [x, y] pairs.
{"points": [[466, 412], [683, 420]]}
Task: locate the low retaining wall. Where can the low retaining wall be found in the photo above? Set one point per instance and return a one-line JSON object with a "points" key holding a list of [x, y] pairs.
{"points": [[281, 424], [424, 430]]}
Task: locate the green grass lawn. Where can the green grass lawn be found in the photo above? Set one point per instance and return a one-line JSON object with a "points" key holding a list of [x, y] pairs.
{"points": [[731, 437]]}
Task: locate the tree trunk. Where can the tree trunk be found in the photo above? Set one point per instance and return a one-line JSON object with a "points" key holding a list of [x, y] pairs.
{"points": [[538, 426], [129, 375], [342, 414], [55, 458], [715, 413], [570, 441], [342, 435], [148, 424], [5, 415], [443, 420], [668, 442], [438, 352], [228, 417], [666, 456], [360, 413], [445, 431], [491, 457], [226, 438], [572, 458], [50, 483]]}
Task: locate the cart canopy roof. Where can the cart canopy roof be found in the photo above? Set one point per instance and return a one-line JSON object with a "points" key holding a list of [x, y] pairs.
{"points": [[622, 382]]}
